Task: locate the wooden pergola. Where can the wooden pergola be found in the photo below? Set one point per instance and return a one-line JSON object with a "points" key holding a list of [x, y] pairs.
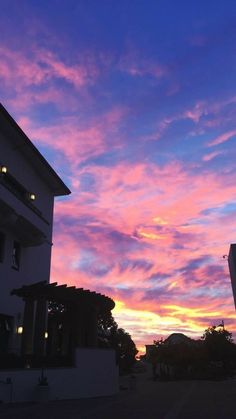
{"points": [[78, 325]]}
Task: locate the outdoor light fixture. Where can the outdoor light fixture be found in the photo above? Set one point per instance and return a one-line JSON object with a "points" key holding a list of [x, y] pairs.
{"points": [[3, 169], [32, 196], [19, 330], [46, 335]]}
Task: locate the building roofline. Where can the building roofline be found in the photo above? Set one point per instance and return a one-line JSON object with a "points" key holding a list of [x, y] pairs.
{"points": [[55, 183]]}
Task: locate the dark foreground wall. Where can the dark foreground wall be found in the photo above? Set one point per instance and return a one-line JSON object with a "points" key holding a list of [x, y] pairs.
{"points": [[95, 374]]}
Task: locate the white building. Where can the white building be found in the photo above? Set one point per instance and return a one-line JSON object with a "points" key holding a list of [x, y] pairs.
{"points": [[28, 185]]}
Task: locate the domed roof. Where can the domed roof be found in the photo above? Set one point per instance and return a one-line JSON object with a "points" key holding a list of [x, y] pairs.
{"points": [[176, 338]]}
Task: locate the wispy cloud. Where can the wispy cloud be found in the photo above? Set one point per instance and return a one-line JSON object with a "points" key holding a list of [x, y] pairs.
{"points": [[210, 156], [41, 66], [223, 138]]}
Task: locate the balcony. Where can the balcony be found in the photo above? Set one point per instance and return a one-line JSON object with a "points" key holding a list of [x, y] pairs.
{"points": [[26, 232]]}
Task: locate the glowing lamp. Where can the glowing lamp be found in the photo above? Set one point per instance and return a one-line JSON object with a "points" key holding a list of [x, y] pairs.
{"points": [[46, 335], [19, 330], [32, 196], [3, 169]]}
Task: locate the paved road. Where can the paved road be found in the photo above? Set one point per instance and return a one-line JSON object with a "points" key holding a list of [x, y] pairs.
{"points": [[149, 400]]}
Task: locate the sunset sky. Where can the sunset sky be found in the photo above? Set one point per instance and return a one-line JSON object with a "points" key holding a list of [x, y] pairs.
{"points": [[133, 102]]}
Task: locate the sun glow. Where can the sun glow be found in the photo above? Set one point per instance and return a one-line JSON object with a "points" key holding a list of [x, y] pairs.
{"points": [[147, 326], [190, 312], [152, 236], [173, 285], [160, 221]]}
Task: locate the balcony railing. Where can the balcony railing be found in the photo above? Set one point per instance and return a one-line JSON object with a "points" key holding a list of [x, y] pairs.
{"points": [[17, 189]]}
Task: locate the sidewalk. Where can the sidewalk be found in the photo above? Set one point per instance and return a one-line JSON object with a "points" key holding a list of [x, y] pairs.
{"points": [[149, 400]]}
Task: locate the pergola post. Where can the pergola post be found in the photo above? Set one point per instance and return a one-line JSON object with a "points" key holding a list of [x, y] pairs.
{"points": [[65, 335], [40, 326], [92, 327], [53, 337], [80, 329], [28, 327]]}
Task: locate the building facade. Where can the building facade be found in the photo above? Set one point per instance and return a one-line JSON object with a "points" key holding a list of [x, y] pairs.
{"points": [[28, 186], [36, 342]]}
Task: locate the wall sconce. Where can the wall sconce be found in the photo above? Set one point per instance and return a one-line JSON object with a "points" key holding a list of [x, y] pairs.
{"points": [[19, 330], [32, 196], [3, 169], [46, 335]]}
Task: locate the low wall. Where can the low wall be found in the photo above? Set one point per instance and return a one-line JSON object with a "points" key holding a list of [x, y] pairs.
{"points": [[95, 374]]}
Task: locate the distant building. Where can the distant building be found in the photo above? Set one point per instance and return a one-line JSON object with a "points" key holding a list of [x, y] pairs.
{"points": [[177, 338], [232, 269], [173, 339]]}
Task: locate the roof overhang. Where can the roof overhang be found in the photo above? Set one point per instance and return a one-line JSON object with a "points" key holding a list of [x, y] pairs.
{"points": [[20, 141], [65, 295]]}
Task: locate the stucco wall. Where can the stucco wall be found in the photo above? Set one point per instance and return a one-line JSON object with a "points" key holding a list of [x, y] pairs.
{"points": [[95, 374], [34, 260]]}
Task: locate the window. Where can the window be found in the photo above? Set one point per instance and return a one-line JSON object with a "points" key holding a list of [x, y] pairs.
{"points": [[6, 328], [2, 246], [16, 250]]}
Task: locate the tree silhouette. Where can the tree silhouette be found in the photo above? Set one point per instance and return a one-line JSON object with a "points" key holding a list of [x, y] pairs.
{"points": [[110, 335], [214, 356], [219, 345]]}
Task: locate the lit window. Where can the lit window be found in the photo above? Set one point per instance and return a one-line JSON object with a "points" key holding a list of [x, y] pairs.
{"points": [[2, 246], [16, 255]]}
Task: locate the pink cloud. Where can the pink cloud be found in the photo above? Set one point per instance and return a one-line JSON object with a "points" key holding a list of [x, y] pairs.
{"points": [[77, 140], [15, 66], [24, 100], [153, 70], [222, 138], [22, 70], [128, 200], [210, 156], [205, 115], [196, 112]]}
